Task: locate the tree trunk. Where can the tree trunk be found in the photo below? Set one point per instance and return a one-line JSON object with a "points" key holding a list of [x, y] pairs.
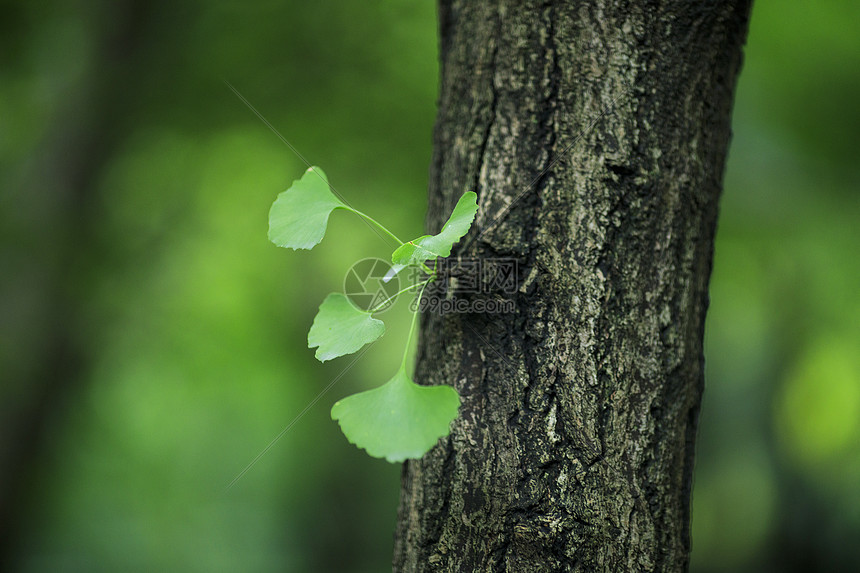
{"points": [[595, 134]]}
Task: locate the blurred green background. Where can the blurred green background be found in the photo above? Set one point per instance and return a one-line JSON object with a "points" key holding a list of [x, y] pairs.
{"points": [[152, 341]]}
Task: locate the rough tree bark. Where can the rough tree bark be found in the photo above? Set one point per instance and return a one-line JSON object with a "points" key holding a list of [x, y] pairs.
{"points": [[595, 134]]}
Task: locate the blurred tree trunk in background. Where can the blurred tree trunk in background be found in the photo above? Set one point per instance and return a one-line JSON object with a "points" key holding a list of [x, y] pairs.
{"points": [[53, 218], [575, 441]]}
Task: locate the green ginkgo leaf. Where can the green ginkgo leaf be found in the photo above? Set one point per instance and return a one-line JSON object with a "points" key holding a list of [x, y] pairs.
{"points": [[341, 328], [298, 217], [398, 420], [429, 247]]}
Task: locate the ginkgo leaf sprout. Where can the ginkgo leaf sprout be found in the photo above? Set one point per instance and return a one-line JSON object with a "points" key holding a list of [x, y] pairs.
{"points": [[400, 419]]}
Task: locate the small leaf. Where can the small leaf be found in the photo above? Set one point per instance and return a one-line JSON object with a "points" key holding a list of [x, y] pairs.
{"points": [[398, 420], [298, 217], [430, 247], [413, 252], [340, 328]]}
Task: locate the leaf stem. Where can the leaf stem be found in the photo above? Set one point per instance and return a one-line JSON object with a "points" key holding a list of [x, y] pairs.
{"points": [[395, 295], [412, 326], [379, 225]]}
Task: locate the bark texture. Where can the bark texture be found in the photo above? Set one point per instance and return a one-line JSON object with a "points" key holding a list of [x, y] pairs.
{"points": [[595, 134]]}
